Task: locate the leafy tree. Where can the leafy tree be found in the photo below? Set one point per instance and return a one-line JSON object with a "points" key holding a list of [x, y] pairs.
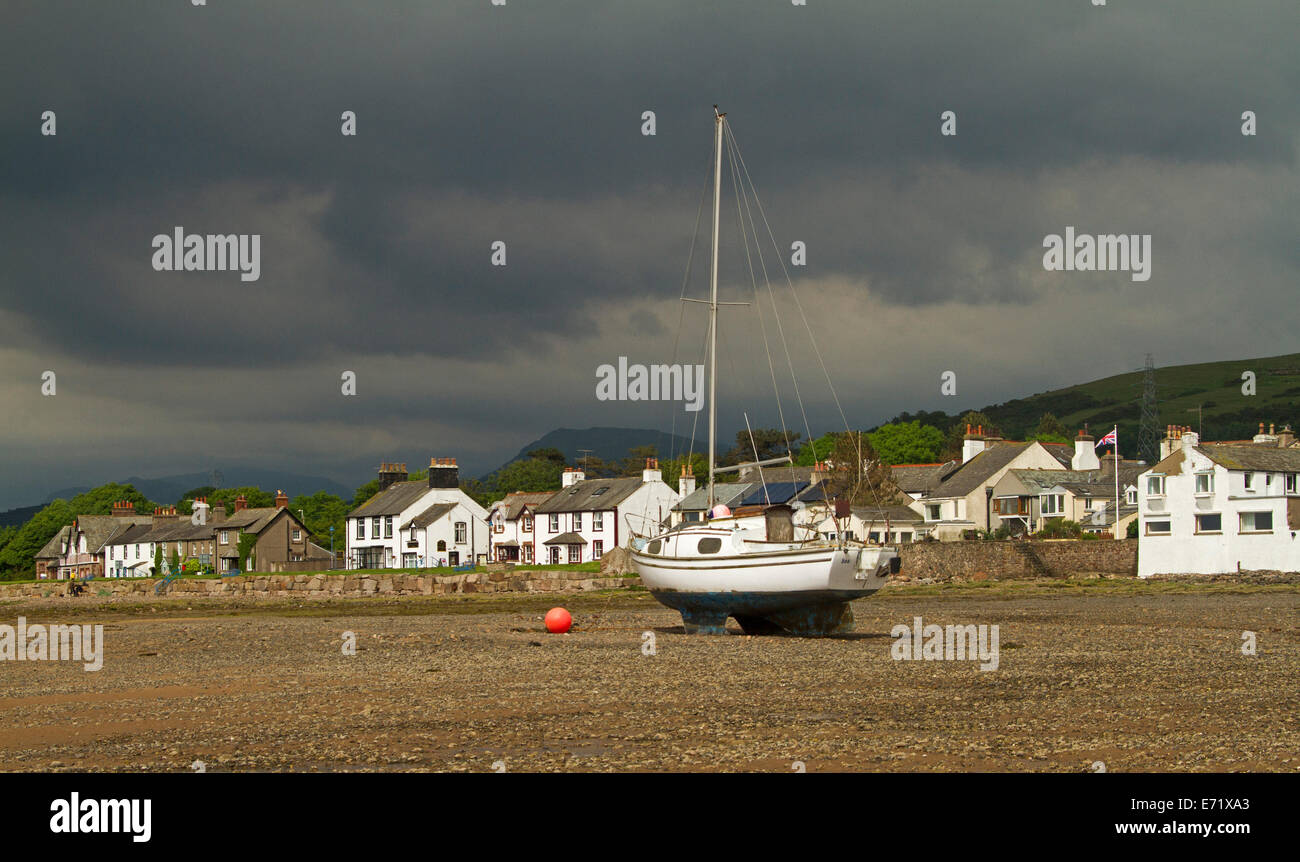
{"points": [[1049, 424], [634, 462], [907, 443], [817, 450], [1059, 528], [157, 559], [767, 443], [532, 474], [857, 474], [175, 561], [672, 469], [548, 453], [957, 433], [365, 492], [1131, 531], [18, 556]]}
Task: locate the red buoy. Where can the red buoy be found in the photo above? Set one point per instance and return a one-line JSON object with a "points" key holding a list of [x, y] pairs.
{"points": [[558, 621]]}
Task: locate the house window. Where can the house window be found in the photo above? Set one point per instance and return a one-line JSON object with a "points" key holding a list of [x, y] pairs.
{"points": [[528, 553], [598, 520], [932, 512], [597, 550], [528, 523], [1205, 483], [1256, 522], [1268, 481], [1209, 523], [361, 528], [905, 537], [1157, 528], [1249, 478], [500, 524], [460, 532], [575, 553], [374, 528], [388, 527], [225, 537], [1131, 496], [1053, 504], [554, 523], [297, 535], [577, 521], [1290, 483], [1155, 486], [137, 552]]}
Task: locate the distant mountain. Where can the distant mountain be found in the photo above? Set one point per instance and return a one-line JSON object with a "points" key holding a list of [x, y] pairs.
{"points": [[168, 489], [1206, 395], [18, 517], [609, 444]]}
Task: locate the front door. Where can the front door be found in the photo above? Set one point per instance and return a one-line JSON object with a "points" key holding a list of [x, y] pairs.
{"points": [[555, 555], [453, 559]]}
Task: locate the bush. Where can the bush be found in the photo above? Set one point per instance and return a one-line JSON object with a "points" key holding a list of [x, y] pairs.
{"points": [[1132, 531], [1059, 528]]}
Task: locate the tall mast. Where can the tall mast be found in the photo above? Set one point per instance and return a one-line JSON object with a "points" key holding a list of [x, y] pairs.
{"points": [[713, 300]]}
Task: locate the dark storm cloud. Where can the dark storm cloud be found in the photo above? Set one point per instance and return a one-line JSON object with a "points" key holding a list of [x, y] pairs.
{"points": [[522, 123]]}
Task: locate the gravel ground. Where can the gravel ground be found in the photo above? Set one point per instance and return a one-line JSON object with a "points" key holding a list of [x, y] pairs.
{"points": [[1152, 680]]}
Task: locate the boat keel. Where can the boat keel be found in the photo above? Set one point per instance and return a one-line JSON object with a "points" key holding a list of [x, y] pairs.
{"points": [[704, 622], [820, 620]]}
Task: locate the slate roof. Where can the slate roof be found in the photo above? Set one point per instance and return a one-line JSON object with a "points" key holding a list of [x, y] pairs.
{"points": [[978, 470], [698, 500], [54, 547], [513, 504], [99, 529], [393, 500], [1105, 516], [1264, 459], [250, 520], [429, 515], [919, 478], [893, 514], [566, 539], [590, 495], [1063, 452]]}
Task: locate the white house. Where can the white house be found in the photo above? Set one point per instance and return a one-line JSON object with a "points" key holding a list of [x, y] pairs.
{"points": [[513, 527], [418, 524], [1218, 508], [587, 517]]}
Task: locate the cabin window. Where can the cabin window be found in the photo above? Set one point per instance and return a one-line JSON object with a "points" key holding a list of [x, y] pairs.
{"points": [[1256, 522], [653, 547], [1209, 523], [709, 545]]}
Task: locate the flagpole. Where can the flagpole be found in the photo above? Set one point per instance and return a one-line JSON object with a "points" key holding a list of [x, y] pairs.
{"points": [[1116, 530]]}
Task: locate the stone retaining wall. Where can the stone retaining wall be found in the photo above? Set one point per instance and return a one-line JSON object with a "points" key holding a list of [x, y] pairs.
{"points": [[977, 560], [330, 585]]}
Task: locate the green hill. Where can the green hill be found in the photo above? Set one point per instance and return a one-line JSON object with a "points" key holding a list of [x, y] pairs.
{"points": [[1214, 387]]}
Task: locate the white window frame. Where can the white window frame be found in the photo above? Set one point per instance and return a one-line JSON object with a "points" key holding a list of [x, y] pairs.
{"points": [[1197, 524], [1159, 483], [1208, 476], [1241, 523]]}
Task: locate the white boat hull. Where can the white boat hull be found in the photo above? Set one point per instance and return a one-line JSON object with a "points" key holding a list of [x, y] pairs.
{"points": [[804, 591]]}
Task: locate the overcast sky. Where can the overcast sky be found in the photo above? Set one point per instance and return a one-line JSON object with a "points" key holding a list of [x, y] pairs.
{"points": [[523, 124]]}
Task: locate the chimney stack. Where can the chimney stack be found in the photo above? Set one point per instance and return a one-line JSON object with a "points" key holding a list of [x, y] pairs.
{"points": [[443, 473], [281, 499], [241, 503], [686, 484], [218, 512], [390, 474], [123, 509], [652, 473], [1085, 453], [1286, 438], [973, 443], [571, 475]]}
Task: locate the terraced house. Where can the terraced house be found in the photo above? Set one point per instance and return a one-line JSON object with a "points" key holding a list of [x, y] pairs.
{"points": [[417, 524], [1215, 508], [588, 517]]}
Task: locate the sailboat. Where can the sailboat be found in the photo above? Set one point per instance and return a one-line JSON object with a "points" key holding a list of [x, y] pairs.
{"points": [[759, 567]]}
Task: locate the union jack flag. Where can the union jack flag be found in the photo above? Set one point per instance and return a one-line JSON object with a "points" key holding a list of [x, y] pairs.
{"points": [[1110, 439]]}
